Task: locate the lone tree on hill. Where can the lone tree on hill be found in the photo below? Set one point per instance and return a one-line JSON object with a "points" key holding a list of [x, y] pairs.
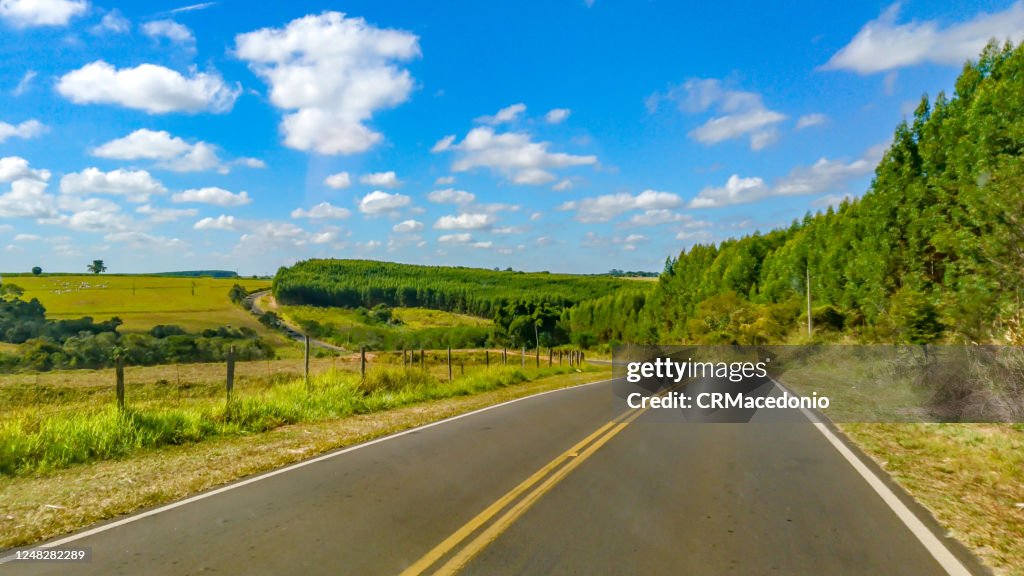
{"points": [[36, 270], [97, 267]]}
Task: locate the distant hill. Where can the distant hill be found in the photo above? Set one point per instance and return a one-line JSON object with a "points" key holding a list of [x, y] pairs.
{"points": [[200, 273]]}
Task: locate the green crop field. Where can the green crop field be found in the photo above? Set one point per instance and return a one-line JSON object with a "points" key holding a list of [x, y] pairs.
{"points": [[142, 301], [411, 318]]}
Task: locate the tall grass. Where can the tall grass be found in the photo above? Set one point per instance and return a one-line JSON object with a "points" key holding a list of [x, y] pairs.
{"points": [[32, 443]]}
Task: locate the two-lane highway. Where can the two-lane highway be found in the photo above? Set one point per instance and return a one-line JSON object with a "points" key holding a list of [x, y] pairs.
{"points": [[550, 484]]}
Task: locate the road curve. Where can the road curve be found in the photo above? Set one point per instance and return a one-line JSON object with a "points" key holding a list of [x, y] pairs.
{"points": [[643, 497]]}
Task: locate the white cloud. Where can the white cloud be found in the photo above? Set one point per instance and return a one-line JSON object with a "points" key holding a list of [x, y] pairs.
{"points": [[193, 7], [407, 227], [738, 113], [142, 241], [562, 186], [378, 202], [322, 211], [451, 196], [222, 222], [169, 29], [171, 152], [254, 163], [463, 238], [32, 13], [512, 154], [883, 44], [659, 217], [113, 22], [166, 214], [445, 180], [212, 195], [135, 185], [25, 83], [339, 180], [380, 179], [609, 206], [27, 129], [557, 115], [808, 120], [148, 87], [331, 74], [27, 199], [823, 176], [507, 114], [443, 144], [483, 245], [831, 200], [27, 238], [16, 168], [465, 222]]}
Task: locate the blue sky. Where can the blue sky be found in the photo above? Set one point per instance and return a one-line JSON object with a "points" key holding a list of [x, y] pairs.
{"points": [[565, 135]]}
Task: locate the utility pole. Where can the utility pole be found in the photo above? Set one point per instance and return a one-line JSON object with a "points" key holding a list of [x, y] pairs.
{"points": [[810, 327]]}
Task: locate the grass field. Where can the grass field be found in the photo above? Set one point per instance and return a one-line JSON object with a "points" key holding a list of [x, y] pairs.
{"points": [[142, 301], [411, 318]]}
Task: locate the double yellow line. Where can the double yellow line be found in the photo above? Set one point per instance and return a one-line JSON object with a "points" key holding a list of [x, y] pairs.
{"points": [[534, 487]]}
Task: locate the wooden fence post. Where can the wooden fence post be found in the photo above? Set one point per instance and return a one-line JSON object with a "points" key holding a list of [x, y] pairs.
{"points": [[504, 356], [231, 371], [119, 372], [551, 357], [522, 358], [305, 369], [487, 359], [449, 363], [362, 362], [537, 356], [423, 360]]}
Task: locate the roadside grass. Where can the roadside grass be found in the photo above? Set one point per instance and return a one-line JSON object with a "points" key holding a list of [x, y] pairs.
{"points": [[143, 301], [970, 476], [43, 505], [32, 442]]}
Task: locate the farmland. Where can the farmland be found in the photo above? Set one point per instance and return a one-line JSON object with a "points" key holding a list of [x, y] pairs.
{"points": [[142, 301]]}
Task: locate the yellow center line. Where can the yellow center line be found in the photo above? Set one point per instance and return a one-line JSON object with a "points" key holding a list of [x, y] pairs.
{"points": [[480, 519], [492, 532], [575, 455]]}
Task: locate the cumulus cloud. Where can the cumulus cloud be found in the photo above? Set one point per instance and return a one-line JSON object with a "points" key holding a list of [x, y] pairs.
{"points": [[27, 198], [171, 152], [466, 221], [148, 87], [143, 241], [379, 202], [16, 168], [135, 185], [808, 120], [213, 195], [380, 179], [884, 44], [407, 227], [35, 13], [823, 176], [166, 214], [113, 22], [444, 180], [222, 222], [27, 129], [451, 196], [169, 29], [557, 115], [609, 206], [322, 211], [463, 238], [737, 113], [507, 114], [512, 154], [331, 73], [562, 186], [339, 180]]}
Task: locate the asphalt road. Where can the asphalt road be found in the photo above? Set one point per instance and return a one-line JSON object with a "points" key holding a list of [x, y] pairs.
{"points": [[643, 496]]}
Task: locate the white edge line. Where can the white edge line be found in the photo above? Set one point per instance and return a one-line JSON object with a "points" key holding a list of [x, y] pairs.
{"points": [[289, 468], [950, 563]]}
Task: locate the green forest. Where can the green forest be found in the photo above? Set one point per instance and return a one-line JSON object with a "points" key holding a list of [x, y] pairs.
{"points": [[931, 252]]}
